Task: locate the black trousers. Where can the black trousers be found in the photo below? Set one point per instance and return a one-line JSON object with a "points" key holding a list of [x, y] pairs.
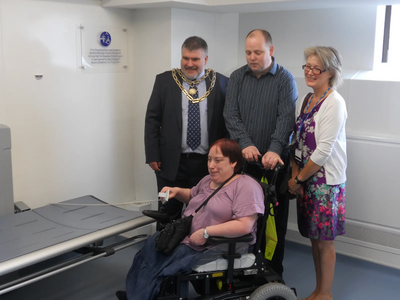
{"points": [[281, 211], [192, 168]]}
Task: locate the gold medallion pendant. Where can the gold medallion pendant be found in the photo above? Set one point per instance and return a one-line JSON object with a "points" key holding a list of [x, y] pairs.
{"points": [[192, 91]]}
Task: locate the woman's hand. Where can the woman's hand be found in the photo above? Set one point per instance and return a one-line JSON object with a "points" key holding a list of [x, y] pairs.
{"points": [[295, 188], [181, 194], [197, 238], [172, 191]]}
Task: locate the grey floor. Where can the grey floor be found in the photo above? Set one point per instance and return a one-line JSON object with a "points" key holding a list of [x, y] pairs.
{"points": [[99, 279], [354, 279]]}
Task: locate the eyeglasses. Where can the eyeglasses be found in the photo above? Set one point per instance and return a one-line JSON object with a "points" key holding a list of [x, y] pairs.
{"points": [[315, 71]]}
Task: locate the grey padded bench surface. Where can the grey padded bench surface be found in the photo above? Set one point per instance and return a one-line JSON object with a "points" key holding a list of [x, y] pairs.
{"points": [[48, 231]]}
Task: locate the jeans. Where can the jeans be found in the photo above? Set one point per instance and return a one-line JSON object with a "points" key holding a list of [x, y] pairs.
{"points": [[149, 268]]}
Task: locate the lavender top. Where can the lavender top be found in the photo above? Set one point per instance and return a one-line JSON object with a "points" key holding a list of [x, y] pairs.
{"points": [[243, 197]]}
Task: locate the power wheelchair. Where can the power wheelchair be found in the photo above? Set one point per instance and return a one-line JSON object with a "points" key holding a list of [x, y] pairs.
{"points": [[236, 276]]}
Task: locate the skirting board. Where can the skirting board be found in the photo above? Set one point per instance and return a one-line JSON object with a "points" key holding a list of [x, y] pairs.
{"points": [[378, 254]]}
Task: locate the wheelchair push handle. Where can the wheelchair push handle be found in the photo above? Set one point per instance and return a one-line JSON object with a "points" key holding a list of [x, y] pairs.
{"points": [[272, 185], [259, 164], [270, 190], [276, 170]]}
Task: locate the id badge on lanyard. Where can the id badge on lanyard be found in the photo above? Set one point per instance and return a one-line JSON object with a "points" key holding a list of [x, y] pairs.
{"points": [[298, 155]]}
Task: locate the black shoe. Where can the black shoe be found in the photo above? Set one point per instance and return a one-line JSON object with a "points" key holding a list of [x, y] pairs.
{"points": [[121, 295], [159, 216]]}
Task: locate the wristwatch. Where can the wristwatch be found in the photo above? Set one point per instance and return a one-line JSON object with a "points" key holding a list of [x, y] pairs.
{"points": [[298, 181], [205, 234]]}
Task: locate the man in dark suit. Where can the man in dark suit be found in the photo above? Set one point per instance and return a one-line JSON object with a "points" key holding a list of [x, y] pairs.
{"points": [[184, 117]]}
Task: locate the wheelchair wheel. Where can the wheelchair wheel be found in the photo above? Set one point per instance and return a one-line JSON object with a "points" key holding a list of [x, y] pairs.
{"points": [[273, 291]]}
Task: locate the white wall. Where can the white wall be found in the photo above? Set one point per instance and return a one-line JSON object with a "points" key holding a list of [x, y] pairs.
{"points": [[218, 30], [151, 56], [71, 132], [350, 30], [2, 98], [75, 133]]}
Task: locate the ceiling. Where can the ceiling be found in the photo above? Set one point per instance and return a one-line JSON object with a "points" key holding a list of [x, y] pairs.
{"points": [[242, 6]]}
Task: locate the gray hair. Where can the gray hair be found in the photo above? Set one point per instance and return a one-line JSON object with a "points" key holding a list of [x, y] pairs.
{"points": [[331, 61]]}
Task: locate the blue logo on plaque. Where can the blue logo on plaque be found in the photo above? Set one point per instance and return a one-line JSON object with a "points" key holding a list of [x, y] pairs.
{"points": [[105, 39]]}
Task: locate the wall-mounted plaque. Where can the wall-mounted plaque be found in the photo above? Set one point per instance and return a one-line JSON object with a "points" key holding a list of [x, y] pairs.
{"points": [[103, 49]]}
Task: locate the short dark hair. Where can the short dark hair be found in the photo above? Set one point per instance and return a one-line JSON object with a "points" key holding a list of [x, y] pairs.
{"points": [[231, 149], [195, 43], [266, 34]]}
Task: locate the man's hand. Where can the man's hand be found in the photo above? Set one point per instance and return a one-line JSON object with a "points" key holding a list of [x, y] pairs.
{"points": [[155, 165], [270, 159], [251, 153]]}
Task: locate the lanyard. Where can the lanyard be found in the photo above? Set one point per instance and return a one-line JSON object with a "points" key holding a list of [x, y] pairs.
{"points": [[308, 105]]}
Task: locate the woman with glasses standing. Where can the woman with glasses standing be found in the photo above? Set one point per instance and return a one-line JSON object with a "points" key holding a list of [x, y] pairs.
{"points": [[319, 163]]}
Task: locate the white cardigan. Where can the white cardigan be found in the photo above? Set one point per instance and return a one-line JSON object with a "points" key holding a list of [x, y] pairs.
{"points": [[330, 137]]}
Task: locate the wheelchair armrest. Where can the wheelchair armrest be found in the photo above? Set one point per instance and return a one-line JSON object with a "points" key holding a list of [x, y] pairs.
{"points": [[224, 240]]}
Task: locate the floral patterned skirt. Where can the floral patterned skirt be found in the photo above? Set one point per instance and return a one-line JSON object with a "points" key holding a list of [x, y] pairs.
{"points": [[321, 212]]}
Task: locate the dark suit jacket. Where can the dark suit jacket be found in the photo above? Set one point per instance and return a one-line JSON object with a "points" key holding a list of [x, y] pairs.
{"points": [[163, 123]]}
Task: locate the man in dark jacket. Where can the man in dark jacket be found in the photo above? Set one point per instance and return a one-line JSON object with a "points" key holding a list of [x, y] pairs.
{"points": [[184, 117]]}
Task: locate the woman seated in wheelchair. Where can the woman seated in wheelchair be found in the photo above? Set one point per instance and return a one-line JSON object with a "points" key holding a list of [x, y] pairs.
{"points": [[231, 212]]}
